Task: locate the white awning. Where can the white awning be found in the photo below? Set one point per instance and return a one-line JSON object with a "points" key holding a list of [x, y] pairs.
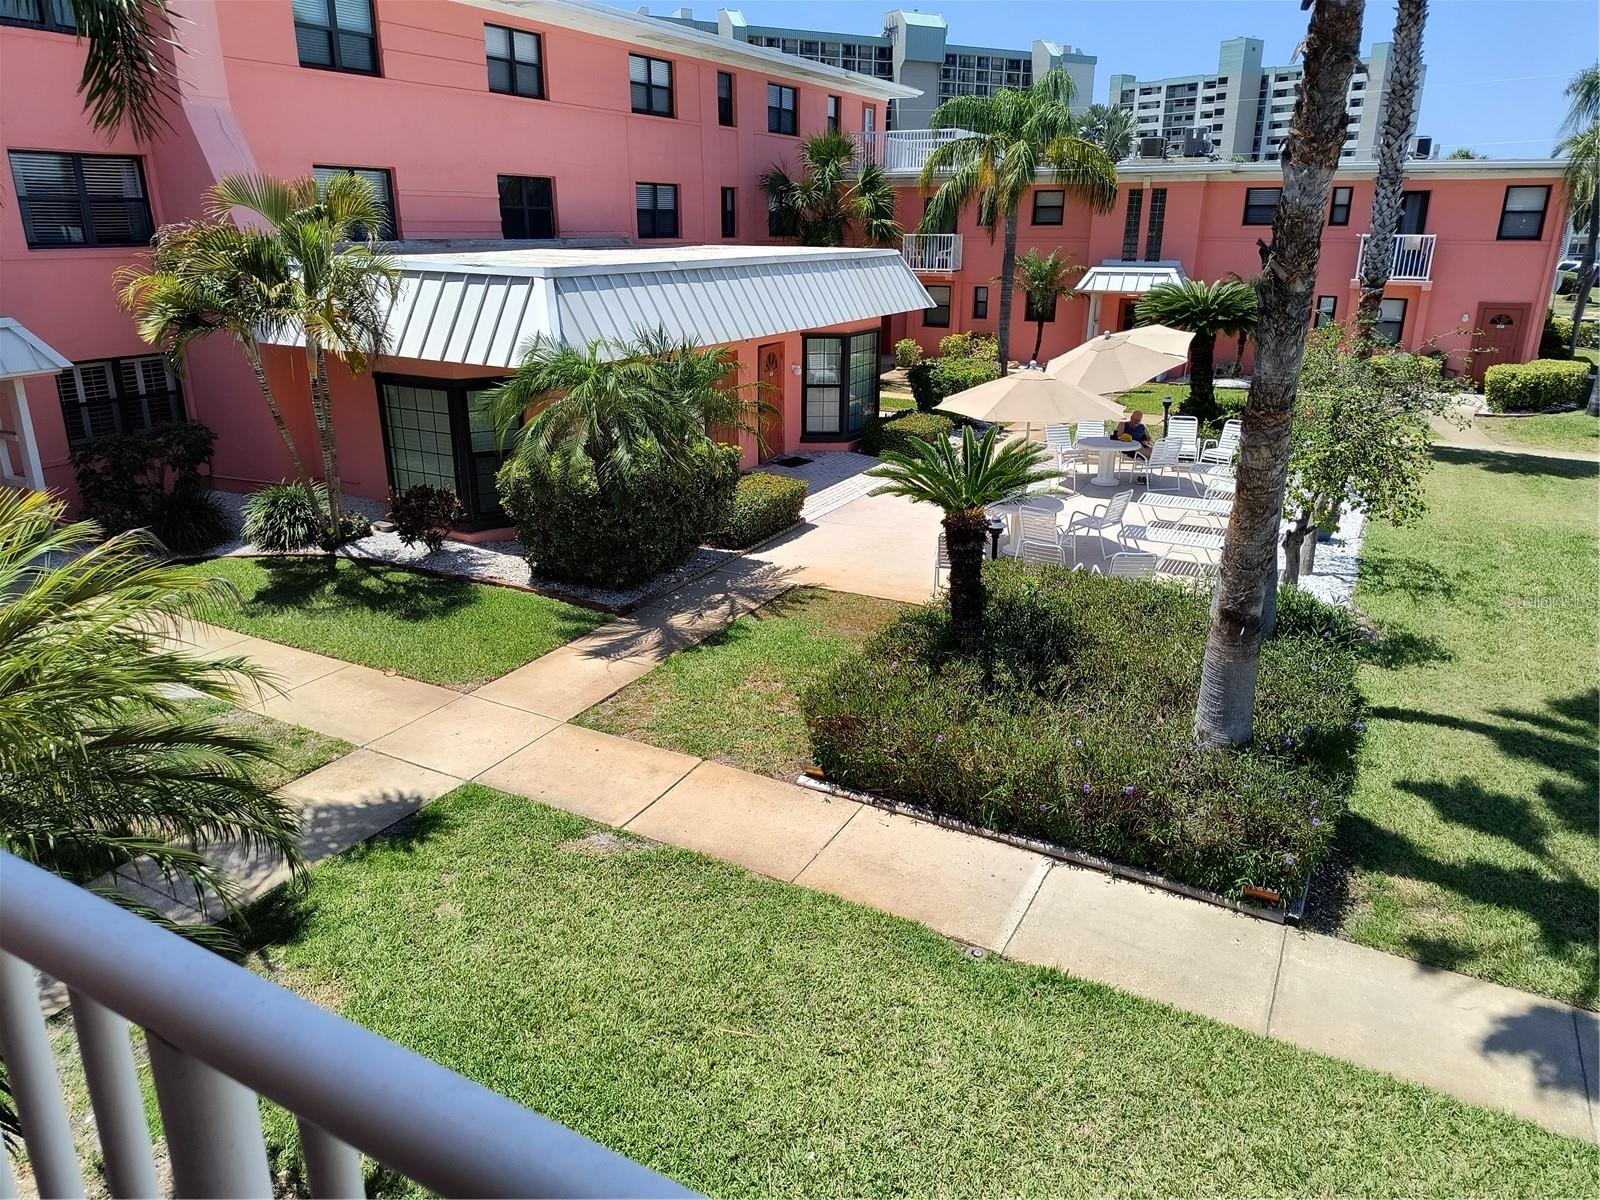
{"points": [[1129, 278], [23, 352], [478, 307]]}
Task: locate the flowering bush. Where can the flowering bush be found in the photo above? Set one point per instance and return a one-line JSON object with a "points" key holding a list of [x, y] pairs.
{"points": [[1074, 723]]}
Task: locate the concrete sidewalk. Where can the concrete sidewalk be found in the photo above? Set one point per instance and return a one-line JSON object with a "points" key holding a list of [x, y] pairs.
{"points": [[1484, 1043]]}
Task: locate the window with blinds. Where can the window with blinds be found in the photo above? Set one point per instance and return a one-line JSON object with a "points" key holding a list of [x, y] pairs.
{"points": [[657, 205], [54, 15], [650, 85], [782, 109], [725, 98], [117, 395], [377, 178], [336, 35], [81, 199], [516, 61]]}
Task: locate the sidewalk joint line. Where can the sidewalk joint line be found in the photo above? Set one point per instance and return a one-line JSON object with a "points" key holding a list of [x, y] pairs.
{"points": [[1583, 1074], [843, 825], [1277, 976], [1023, 910], [664, 792]]}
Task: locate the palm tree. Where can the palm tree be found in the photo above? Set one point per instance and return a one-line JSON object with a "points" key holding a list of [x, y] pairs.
{"points": [[1045, 279], [1394, 145], [1247, 574], [1110, 127], [962, 484], [100, 766], [1205, 310], [1000, 146], [1582, 178], [835, 196], [340, 287]]}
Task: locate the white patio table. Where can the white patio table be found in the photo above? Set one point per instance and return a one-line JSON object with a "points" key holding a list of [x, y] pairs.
{"points": [[1108, 448]]}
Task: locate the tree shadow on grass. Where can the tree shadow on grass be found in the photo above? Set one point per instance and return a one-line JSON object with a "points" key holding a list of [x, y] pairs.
{"points": [[1511, 463], [1405, 575], [328, 586], [1402, 648]]}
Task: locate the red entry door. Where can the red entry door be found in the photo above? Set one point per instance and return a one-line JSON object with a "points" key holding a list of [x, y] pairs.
{"points": [[1500, 331], [769, 370]]}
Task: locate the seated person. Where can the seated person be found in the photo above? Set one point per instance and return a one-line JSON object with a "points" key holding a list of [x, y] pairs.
{"points": [[1133, 426]]}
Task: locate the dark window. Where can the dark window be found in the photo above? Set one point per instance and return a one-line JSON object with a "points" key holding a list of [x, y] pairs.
{"points": [[117, 395], [1391, 320], [781, 106], [378, 180], [730, 212], [516, 61], [336, 35], [1327, 310], [937, 317], [443, 433], [980, 303], [1413, 212], [1158, 221], [1261, 204], [657, 204], [841, 383], [1339, 213], [724, 98], [54, 15], [81, 199], [650, 85], [527, 207], [1030, 310], [1522, 214], [833, 114], [1048, 206], [777, 224], [1130, 225]]}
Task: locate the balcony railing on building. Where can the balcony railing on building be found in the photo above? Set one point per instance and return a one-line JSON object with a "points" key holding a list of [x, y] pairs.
{"points": [[219, 1037], [932, 253], [1413, 257], [902, 150]]}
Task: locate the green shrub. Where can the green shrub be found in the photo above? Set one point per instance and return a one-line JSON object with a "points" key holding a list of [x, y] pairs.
{"points": [[968, 345], [624, 530], [763, 505], [1558, 336], [968, 361], [153, 479], [1074, 724], [281, 518], [423, 513], [1566, 283], [1534, 386], [907, 353], [895, 432]]}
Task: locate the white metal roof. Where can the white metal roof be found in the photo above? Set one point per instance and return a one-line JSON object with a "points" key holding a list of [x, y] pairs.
{"points": [[23, 352], [1129, 278], [479, 307]]}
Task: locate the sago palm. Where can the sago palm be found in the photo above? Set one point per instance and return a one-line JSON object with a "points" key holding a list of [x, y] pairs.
{"points": [[1045, 279], [962, 482], [1002, 145], [834, 198], [1581, 178], [100, 765], [1205, 310]]}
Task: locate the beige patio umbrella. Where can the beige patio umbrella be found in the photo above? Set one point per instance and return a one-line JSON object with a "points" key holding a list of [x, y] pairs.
{"points": [[1030, 398], [1115, 362]]}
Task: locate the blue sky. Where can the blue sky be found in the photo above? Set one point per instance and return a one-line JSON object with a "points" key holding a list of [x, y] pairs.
{"points": [[1495, 67]]}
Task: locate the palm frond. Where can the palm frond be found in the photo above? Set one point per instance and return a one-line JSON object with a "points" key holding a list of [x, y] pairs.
{"points": [[125, 77]]}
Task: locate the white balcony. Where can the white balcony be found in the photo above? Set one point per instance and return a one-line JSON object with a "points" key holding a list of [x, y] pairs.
{"points": [[1413, 257], [902, 151], [932, 253], [219, 1037]]}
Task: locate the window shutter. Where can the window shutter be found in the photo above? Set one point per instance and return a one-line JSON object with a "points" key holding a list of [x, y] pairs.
{"points": [[644, 196], [638, 69]]}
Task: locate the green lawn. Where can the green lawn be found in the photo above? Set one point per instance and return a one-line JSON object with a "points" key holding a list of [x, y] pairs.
{"points": [[1472, 824], [735, 696], [439, 630], [1546, 431], [893, 399], [1563, 306], [748, 1037], [295, 750]]}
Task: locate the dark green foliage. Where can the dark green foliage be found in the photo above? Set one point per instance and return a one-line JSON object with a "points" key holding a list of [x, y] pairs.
{"points": [[1555, 335], [920, 376], [965, 360], [763, 505], [153, 479], [423, 513], [282, 518], [896, 432], [626, 528], [1072, 722], [1535, 386], [1566, 283], [907, 353]]}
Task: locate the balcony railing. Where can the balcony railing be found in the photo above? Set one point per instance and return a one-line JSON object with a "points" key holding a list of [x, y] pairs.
{"points": [[934, 253], [218, 1036], [1413, 257], [902, 150]]}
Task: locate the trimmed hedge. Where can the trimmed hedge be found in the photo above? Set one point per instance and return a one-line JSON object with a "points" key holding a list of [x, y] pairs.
{"points": [[895, 432], [1073, 723], [1534, 386], [763, 505]]}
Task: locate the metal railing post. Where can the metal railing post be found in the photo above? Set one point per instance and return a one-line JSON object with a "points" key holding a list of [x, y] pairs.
{"points": [[333, 1168], [114, 1092], [213, 1127], [35, 1086]]}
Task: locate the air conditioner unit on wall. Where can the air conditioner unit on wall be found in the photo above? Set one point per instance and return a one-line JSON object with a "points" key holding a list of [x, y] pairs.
{"points": [[1196, 143], [1152, 147], [1422, 147]]}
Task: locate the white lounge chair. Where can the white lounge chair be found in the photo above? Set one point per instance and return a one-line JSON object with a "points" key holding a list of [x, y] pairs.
{"points": [[1224, 448], [1098, 520], [1186, 431]]}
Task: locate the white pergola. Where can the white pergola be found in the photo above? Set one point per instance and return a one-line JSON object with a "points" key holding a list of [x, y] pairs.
{"points": [[24, 357]]}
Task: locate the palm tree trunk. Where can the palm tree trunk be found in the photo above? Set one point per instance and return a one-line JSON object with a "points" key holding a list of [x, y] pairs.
{"points": [[252, 352], [330, 452], [1038, 343], [1224, 713], [1202, 376], [1394, 144], [965, 533], [1008, 273], [1586, 278], [321, 416]]}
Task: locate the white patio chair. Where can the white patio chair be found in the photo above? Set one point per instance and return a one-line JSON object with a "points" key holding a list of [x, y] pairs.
{"points": [[1186, 432], [1132, 564], [1099, 519], [1058, 440], [1091, 429], [1163, 463], [1224, 448], [1038, 540], [941, 562]]}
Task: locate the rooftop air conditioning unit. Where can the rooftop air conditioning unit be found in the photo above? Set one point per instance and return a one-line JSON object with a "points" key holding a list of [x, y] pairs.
{"points": [[1422, 147], [1152, 147], [1196, 143]]}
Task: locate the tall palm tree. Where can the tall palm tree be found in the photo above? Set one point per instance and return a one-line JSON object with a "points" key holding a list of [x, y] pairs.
{"points": [[1001, 145], [1205, 310], [1110, 127], [100, 766], [340, 285], [1247, 574], [834, 198], [1045, 279], [1401, 94], [1582, 178], [126, 75], [962, 483]]}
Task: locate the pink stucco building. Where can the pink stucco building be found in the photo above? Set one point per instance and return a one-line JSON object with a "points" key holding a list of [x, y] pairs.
{"points": [[570, 169]]}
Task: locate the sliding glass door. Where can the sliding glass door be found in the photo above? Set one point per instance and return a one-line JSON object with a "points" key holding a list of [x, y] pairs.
{"points": [[439, 432]]}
